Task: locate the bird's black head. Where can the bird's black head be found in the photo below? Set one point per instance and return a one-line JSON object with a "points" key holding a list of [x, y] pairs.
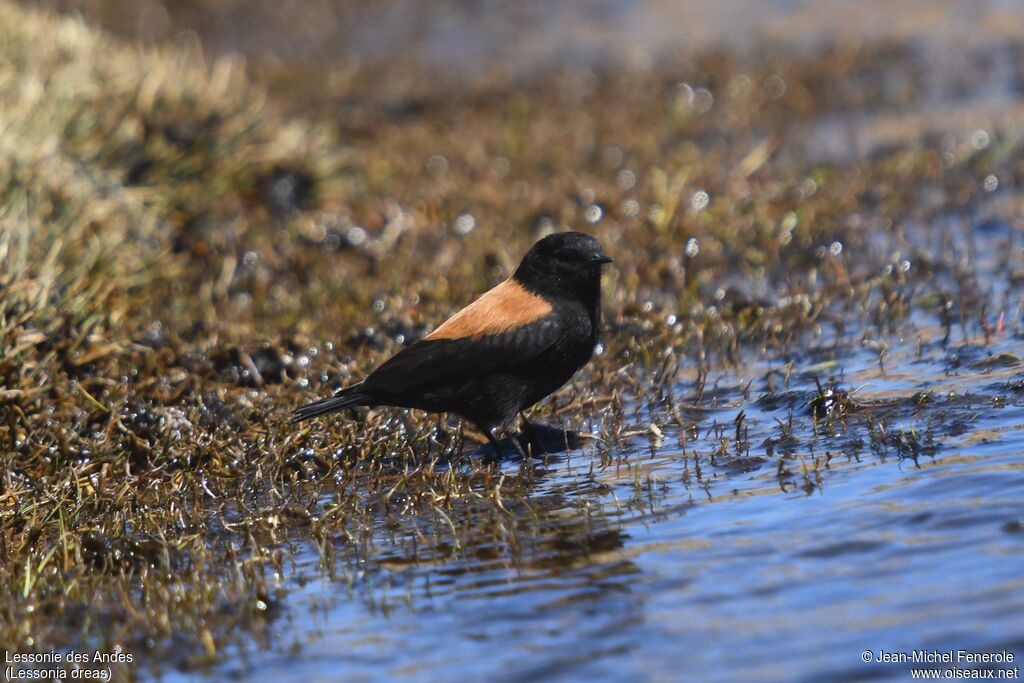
{"points": [[563, 264]]}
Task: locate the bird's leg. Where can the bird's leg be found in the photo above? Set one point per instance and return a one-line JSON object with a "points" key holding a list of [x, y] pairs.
{"points": [[515, 442], [527, 432], [493, 438]]}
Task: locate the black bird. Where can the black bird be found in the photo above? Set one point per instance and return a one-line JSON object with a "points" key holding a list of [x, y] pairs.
{"points": [[510, 348]]}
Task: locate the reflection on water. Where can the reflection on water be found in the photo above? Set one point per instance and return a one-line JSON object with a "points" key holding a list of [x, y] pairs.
{"points": [[866, 494], [756, 542]]}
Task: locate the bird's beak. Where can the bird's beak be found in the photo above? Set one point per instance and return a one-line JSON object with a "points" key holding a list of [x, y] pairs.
{"points": [[600, 258]]}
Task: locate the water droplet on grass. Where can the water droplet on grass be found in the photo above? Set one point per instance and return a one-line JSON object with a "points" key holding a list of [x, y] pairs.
{"points": [[626, 179], [465, 224], [356, 236], [703, 100], [979, 139], [774, 87]]}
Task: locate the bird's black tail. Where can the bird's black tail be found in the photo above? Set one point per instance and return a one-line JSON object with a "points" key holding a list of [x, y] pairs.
{"points": [[346, 398]]}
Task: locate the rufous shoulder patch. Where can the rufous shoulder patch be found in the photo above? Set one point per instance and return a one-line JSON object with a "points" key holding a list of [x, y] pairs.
{"points": [[501, 309]]}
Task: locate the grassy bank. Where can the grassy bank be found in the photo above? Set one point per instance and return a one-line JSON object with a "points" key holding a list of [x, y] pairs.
{"points": [[180, 265], [129, 180]]}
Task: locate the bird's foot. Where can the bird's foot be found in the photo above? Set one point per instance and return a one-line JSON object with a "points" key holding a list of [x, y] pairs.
{"points": [[541, 439], [534, 440]]}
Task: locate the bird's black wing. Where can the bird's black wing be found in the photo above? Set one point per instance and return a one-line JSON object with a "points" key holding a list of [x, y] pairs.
{"points": [[429, 362]]}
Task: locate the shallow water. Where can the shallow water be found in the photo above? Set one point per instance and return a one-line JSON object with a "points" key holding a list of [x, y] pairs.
{"points": [[897, 525]]}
